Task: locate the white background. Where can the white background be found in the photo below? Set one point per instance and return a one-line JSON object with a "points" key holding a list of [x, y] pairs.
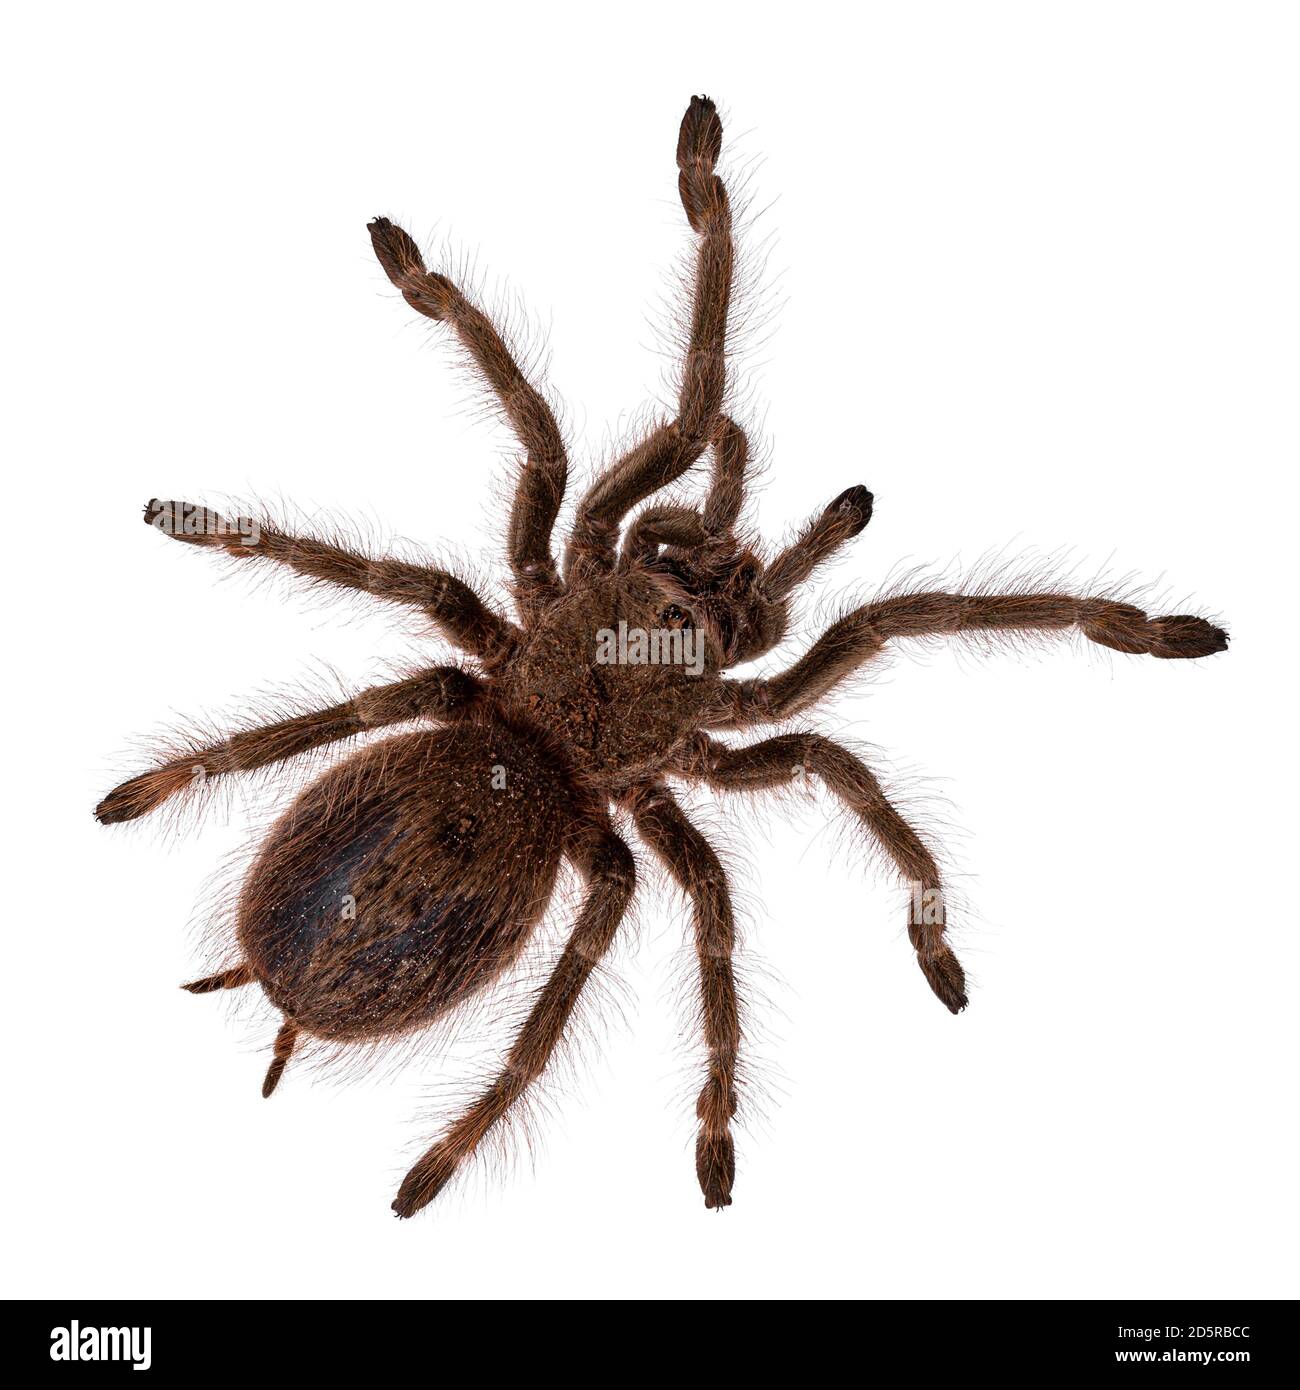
{"points": [[1030, 275]]}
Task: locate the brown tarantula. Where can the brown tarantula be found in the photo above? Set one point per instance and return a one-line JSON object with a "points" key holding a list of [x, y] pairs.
{"points": [[443, 845]]}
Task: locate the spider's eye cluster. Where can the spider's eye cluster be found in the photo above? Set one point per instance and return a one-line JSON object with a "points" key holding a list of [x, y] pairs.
{"points": [[672, 616]]}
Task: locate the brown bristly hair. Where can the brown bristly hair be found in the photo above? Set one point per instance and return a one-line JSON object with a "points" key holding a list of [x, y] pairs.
{"points": [[406, 880]]}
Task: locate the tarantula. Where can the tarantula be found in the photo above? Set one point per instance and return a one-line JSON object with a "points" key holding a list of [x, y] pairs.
{"points": [[412, 874]]}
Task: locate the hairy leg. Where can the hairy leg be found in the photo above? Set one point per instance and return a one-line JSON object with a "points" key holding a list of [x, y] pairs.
{"points": [[462, 616], [672, 448], [610, 872], [690, 859], [779, 761], [435, 694], [860, 635], [540, 489]]}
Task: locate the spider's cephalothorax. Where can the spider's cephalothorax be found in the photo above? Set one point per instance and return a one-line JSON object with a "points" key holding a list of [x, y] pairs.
{"points": [[412, 874]]}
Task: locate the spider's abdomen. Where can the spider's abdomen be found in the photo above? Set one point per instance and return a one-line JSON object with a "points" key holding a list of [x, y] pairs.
{"points": [[404, 880]]}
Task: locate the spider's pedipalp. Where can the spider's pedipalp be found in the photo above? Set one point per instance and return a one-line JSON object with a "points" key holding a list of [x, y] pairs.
{"points": [[686, 527], [727, 487], [659, 526], [847, 516], [400, 257]]}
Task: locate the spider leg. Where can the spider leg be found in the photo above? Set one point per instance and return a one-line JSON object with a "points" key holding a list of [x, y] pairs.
{"points": [[435, 693], [671, 449], [777, 762], [607, 864], [463, 617], [862, 634], [691, 860], [542, 480]]}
